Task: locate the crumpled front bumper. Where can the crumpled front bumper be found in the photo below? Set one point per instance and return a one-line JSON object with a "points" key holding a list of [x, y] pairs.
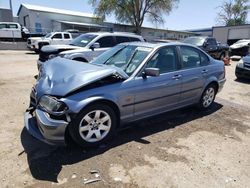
{"points": [[41, 126]]}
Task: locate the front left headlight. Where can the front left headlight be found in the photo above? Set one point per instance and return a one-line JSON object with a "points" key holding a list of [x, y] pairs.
{"points": [[52, 105]]}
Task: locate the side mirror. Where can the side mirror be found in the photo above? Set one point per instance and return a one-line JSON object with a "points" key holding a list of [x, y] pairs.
{"points": [[95, 45], [151, 72]]}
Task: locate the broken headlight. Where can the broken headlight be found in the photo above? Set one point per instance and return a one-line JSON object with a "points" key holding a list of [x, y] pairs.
{"points": [[52, 105]]}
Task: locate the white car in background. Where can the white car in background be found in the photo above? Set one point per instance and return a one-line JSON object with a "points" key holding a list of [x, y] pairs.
{"points": [[87, 46], [240, 48], [36, 43], [10, 30]]}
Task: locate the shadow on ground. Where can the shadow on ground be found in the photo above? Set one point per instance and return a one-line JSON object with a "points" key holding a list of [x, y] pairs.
{"points": [[45, 162], [242, 80]]}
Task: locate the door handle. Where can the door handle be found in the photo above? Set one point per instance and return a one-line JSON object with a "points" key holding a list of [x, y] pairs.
{"points": [[204, 71], [176, 77]]}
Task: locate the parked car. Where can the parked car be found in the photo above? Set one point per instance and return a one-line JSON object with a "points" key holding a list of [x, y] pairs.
{"points": [[242, 70], [129, 82], [240, 48], [36, 43], [10, 30], [209, 45], [87, 46]]}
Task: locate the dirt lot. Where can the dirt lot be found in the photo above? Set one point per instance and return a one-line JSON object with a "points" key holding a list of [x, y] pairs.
{"points": [[184, 148]]}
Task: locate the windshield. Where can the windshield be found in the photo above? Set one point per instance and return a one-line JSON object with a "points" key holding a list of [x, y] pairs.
{"points": [[197, 41], [129, 58], [83, 40], [101, 59], [48, 35]]}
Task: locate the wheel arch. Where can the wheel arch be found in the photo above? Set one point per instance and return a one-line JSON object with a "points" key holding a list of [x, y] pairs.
{"points": [[98, 100]]}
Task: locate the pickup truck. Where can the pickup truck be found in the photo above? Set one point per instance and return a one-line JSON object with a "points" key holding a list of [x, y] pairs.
{"points": [[209, 45], [36, 43]]}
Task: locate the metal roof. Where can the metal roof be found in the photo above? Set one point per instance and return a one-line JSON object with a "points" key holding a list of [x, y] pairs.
{"points": [[82, 24], [54, 10]]}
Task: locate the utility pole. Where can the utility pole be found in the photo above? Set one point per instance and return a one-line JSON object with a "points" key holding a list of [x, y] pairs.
{"points": [[11, 7]]}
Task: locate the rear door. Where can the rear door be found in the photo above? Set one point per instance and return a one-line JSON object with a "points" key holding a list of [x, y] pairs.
{"points": [[67, 38], [57, 38], [194, 71]]}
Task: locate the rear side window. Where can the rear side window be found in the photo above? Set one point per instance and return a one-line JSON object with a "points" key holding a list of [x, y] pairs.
{"points": [[191, 57], [106, 42], [134, 39], [57, 36], [66, 36], [121, 39], [13, 26]]}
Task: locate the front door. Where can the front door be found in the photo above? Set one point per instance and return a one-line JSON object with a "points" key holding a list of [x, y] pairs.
{"points": [[160, 93]]}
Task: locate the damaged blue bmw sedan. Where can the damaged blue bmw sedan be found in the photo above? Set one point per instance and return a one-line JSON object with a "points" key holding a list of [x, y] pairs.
{"points": [[132, 81]]}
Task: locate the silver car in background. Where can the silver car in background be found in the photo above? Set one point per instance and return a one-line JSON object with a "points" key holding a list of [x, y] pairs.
{"points": [[129, 82]]}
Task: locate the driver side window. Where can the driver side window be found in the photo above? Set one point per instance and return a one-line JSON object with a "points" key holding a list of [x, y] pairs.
{"points": [[57, 36], [164, 60]]}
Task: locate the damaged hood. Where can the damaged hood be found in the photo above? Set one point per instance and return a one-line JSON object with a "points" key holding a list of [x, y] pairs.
{"points": [[61, 76], [240, 44], [58, 48]]}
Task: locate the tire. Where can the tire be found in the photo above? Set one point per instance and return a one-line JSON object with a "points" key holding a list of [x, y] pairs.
{"points": [[207, 97], [89, 129]]}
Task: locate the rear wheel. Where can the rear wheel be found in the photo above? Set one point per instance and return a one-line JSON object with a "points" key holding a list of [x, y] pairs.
{"points": [[208, 97], [93, 125]]}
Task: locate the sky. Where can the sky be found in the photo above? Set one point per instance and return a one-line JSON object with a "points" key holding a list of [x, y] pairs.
{"points": [[190, 14]]}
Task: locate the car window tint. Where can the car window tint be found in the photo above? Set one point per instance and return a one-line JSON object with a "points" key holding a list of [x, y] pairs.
{"points": [[121, 39], [165, 59], [106, 42], [204, 59], [13, 26], [66, 36], [211, 41], [57, 36], [190, 57], [134, 39], [3, 26]]}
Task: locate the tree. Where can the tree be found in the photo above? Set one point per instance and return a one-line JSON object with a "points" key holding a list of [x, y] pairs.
{"points": [[234, 12], [134, 11]]}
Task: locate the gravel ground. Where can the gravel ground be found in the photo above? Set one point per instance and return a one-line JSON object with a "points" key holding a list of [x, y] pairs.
{"points": [[184, 148]]}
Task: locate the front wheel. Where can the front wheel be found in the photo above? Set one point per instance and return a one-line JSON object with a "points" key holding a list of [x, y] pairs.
{"points": [[207, 97], [93, 125]]}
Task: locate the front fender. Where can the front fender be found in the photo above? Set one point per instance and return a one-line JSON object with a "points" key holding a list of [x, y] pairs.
{"points": [[75, 106]]}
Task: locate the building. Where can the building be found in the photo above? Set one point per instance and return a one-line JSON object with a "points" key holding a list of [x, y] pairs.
{"points": [[151, 34], [39, 19], [6, 15], [231, 34], [203, 32]]}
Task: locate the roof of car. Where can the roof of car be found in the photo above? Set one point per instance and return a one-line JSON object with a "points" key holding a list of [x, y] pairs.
{"points": [[155, 45], [114, 33]]}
